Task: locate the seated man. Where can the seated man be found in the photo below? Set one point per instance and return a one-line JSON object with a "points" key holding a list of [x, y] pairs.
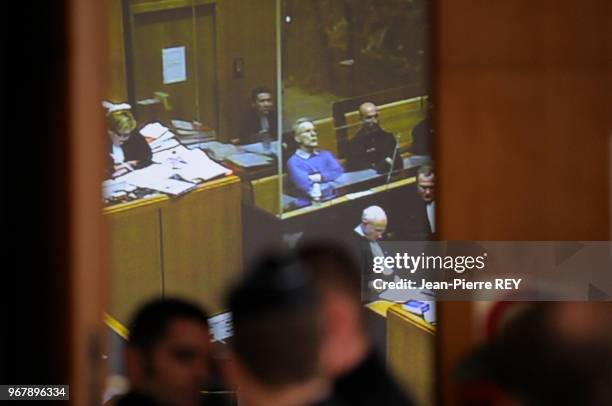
{"points": [[312, 170], [372, 147], [260, 124], [364, 240]]}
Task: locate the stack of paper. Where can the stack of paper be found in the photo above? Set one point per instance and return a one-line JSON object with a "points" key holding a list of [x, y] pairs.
{"points": [[112, 186], [219, 152], [170, 166], [157, 177], [171, 186], [163, 144], [159, 137], [153, 130], [249, 160], [200, 166], [188, 133], [173, 156], [191, 165]]}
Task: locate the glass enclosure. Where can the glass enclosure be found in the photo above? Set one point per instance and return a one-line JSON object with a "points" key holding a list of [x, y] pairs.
{"points": [[184, 69], [234, 126]]}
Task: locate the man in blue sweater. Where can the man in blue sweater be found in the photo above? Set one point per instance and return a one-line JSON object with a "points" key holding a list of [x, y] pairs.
{"points": [[311, 170]]}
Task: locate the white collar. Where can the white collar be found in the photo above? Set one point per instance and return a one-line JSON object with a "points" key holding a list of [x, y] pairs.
{"points": [[305, 155], [359, 231]]}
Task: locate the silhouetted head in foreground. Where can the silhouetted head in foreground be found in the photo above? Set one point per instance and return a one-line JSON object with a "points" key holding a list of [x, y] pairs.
{"points": [[550, 354], [276, 334], [168, 356]]}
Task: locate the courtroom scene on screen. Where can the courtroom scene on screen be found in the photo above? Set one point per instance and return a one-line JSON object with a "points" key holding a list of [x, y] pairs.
{"points": [[235, 127]]}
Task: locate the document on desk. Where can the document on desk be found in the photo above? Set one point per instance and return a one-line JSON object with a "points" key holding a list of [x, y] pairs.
{"points": [[112, 186], [219, 151], [249, 160], [164, 137], [190, 164], [157, 177], [200, 166], [160, 145], [172, 187], [153, 130], [183, 125], [173, 156], [259, 148], [145, 176]]}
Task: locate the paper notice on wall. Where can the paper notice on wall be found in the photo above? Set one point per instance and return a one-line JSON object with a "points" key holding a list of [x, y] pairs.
{"points": [[174, 65], [221, 326]]}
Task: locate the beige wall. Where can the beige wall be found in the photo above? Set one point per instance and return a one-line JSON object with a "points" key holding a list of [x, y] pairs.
{"points": [[245, 29]]}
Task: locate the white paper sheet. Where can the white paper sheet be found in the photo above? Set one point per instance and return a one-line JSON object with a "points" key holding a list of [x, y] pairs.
{"points": [[143, 177], [174, 65], [191, 165], [221, 326], [160, 145], [112, 186], [200, 166], [153, 130]]}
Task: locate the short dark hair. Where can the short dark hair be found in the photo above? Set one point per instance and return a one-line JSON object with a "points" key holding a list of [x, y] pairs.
{"points": [[258, 90], [332, 267], [276, 323], [150, 322]]}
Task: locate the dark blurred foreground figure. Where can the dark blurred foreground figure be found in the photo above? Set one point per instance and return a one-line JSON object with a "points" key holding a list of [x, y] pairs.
{"points": [[276, 340], [550, 354], [348, 358], [168, 355]]}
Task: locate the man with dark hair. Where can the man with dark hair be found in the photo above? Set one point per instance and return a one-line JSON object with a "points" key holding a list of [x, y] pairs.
{"points": [[419, 221], [260, 124], [276, 338], [347, 353], [421, 140], [426, 189], [372, 147], [168, 355]]}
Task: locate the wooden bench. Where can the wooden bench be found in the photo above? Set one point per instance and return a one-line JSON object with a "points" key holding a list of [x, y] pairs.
{"points": [[265, 193], [327, 135]]}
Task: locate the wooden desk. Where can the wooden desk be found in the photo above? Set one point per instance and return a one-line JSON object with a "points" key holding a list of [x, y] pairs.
{"points": [[135, 260], [264, 228], [411, 353], [188, 246], [344, 198]]}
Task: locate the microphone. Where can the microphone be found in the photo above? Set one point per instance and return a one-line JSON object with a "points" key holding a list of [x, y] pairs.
{"points": [[391, 161]]}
